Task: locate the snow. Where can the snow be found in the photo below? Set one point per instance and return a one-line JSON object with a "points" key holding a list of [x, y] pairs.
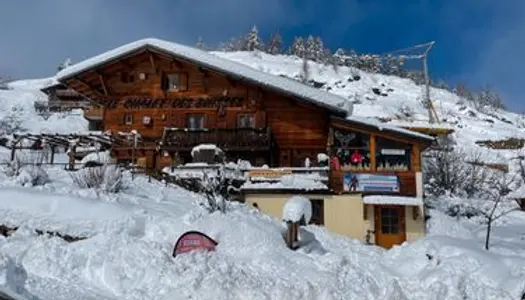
{"points": [[131, 235], [32, 84], [469, 123], [288, 182], [392, 200], [209, 60], [322, 157], [296, 208], [201, 147], [17, 108], [518, 193], [100, 157]]}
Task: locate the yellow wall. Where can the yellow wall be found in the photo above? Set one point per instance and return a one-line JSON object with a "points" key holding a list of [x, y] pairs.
{"points": [[414, 228], [343, 214]]}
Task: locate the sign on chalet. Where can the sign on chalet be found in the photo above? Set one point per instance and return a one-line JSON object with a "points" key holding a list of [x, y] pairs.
{"points": [[177, 97]]}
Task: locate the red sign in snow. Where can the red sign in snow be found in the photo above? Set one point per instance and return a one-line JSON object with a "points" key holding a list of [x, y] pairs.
{"points": [[193, 240]]}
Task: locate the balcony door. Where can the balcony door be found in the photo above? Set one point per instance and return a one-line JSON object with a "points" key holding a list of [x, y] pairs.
{"points": [[389, 225]]}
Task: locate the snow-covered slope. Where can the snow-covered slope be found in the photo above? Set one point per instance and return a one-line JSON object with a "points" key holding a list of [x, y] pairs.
{"points": [[17, 107], [128, 255], [399, 100]]}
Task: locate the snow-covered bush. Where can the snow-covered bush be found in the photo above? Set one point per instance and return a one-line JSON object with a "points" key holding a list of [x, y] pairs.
{"points": [[21, 159], [107, 178], [32, 175]]}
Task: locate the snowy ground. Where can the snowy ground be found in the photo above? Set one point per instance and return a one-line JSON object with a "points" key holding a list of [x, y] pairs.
{"points": [[131, 236]]}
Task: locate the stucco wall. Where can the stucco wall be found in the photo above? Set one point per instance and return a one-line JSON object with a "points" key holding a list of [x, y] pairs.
{"points": [[414, 228], [343, 214]]}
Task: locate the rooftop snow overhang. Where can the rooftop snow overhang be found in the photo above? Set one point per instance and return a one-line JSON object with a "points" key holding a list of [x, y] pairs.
{"points": [[376, 125], [392, 200], [212, 62]]}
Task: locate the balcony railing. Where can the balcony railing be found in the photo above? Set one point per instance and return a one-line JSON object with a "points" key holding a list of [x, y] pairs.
{"points": [[94, 113], [239, 139]]}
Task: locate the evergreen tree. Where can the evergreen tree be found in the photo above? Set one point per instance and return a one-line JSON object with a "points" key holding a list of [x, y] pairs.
{"points": [[64, 64], [275, 44], [339, 57], [314, 49], [253, 41], [297, 47], [233, 44], [200, 43]]}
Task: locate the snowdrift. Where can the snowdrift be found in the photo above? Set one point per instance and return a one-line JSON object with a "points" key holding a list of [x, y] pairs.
{"points": [[128, 255]]}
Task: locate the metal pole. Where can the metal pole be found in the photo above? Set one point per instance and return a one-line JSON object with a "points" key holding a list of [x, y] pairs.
{"points": [[428, 102], [133, 156]]}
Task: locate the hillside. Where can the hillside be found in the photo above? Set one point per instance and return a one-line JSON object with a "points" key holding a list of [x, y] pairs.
{"points": [[399, 101], [129, 236]]}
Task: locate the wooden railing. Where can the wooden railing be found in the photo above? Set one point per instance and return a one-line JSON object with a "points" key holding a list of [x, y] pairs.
{"points": [[407, 182], [246, 139], [94, 113]]}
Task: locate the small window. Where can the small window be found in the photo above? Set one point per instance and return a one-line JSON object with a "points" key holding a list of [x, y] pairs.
{"points": [[175, 82], [392, 155], [126, 77], [317, 211], [195, 121], [246, 121], [128, 119]]}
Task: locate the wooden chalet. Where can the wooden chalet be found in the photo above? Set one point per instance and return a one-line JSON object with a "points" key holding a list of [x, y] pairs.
{"points": [[177, 97], [62, 98]]}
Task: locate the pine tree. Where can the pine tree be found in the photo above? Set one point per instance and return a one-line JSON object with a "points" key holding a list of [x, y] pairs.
{"points": [[275, 44], [253, 41], [339, 57], [200, 43], [297, 47], [64, 64], [320, 53], [233, 44], [310, 48]]}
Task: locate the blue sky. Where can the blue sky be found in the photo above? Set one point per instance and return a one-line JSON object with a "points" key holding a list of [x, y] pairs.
{"points": [[477, 41]]}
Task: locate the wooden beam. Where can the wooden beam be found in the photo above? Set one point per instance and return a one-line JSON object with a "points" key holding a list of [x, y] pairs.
{"points": [[101, 78], [373, 163], [89, 87], [152, 62]]}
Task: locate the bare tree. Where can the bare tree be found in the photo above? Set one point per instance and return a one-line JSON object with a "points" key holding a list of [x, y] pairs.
{"points": [[216, 186], [497, 204], [305, 71]]}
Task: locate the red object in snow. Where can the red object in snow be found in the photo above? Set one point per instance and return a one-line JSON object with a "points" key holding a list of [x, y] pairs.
{"points": [[193, 240]]}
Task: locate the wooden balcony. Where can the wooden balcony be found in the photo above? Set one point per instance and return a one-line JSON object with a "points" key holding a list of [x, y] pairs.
{"points": [[406, 179], [94, 113], [245, 139]]}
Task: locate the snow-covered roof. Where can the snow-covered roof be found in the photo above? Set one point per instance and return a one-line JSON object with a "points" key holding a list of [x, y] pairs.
{"points": [[382, 126], [392, 200], [208, 60], [297, 207], [287, 182]]}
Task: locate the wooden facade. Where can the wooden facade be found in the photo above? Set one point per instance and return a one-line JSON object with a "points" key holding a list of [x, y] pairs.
{"points": [[62, 98], [175, 104]]}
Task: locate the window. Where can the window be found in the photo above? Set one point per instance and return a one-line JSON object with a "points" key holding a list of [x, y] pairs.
{"points": [[128, 119], [352, 149], [195, 121], [175, 82], [126, 77], [317, 211], [392, 155], [245, 121], [390, 220]]}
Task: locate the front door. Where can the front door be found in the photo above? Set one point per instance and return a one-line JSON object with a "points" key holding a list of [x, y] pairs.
{"points": [[389, 225]]}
